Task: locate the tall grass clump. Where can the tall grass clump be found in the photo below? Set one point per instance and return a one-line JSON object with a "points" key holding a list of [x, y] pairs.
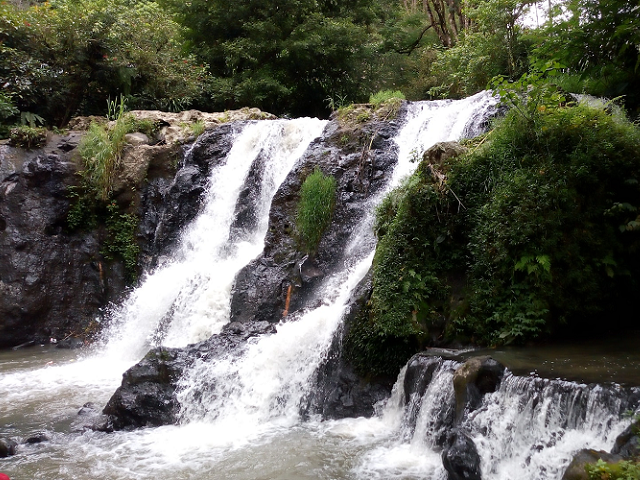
{"points": [[384, 96], [101, 150], [315, 208]]}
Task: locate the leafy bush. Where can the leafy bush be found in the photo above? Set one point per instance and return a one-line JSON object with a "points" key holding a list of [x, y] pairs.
{"points": [[57, 71], [28, 137], [315, 208], [623, 470], [532, 233]]}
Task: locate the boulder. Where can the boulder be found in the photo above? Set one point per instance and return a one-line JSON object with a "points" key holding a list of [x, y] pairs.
{"points": [[442, 151], [460, 457], [472, 380], [136, 139], [147, 395], [576, 469], [628, 442], [7, 447]]}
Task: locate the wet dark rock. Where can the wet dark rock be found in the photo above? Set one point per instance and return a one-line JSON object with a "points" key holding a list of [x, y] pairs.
{"points": [[475, 378], [39, 437], [71, 343], [7, 447], [147, 395], [360, 159], [52, 282], [576, 469], [628, 442], [88, 408], [460, 457]]}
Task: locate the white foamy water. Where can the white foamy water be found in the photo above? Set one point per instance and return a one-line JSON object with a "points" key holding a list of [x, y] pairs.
{"points": [[187, 299], [240, 414]]}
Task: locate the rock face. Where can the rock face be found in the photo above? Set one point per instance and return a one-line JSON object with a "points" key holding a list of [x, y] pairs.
{"points": [[147, 396], [52, 283], [360, 160]]}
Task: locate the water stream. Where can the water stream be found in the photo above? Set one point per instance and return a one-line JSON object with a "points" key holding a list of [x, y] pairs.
{"points": [[246, 424]]}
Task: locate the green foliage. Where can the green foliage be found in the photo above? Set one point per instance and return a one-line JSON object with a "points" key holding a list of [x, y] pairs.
{"points": [[315, 208], [544, 246], [101, 149], [82, 213], [532, 232], [384, 96], [66, 57], [532, 93], [121, 240], [598, 42], [285, 56], [7, 112], [622, 470], [28, 137]]}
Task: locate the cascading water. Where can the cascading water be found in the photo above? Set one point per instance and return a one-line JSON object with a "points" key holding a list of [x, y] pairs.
{"points": [[187, 299], [240, 416], [529, 428]]}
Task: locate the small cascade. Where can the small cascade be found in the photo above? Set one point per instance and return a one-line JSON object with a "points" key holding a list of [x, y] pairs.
{"points": [[529, 428], [187, 299], [439, 121]]}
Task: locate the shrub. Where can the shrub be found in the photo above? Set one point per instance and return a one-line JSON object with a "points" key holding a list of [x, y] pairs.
{"points": [[28, 137], [315, 208], [533, 233], [623, 470]]}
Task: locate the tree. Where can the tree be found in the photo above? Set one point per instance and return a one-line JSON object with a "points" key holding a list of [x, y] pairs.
{"points": [[285, 56], [67, 57], [599, 43]]}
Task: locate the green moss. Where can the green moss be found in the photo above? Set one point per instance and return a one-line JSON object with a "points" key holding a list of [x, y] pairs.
{"points": [[121, 240]]}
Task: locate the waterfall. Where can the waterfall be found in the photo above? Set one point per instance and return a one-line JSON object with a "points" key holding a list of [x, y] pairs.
{"points": [[187, 299], [240, 413], [272, 377], [529, 428]]}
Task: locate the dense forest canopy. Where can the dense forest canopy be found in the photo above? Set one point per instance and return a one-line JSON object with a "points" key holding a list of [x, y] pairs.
{"points": [[298, 57]]}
